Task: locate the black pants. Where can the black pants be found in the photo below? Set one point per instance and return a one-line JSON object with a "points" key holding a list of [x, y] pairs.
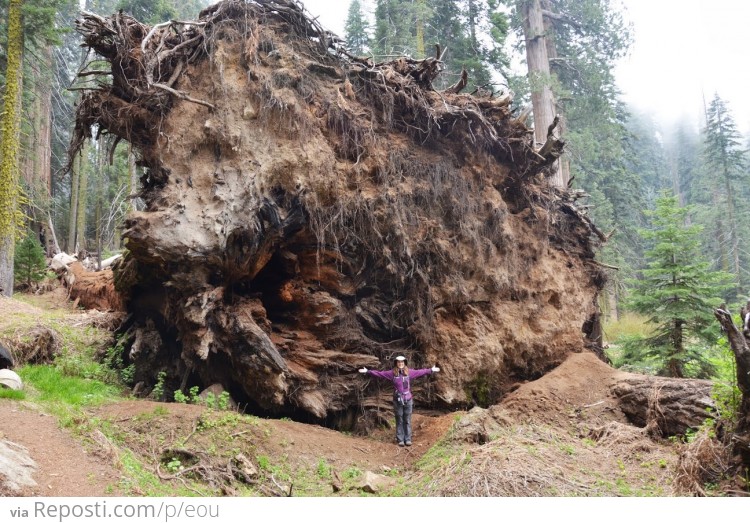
{"points": [[403, 419]]}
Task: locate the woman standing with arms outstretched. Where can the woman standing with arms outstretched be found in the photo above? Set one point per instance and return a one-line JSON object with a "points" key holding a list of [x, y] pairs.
{"points": [[401, 376]]}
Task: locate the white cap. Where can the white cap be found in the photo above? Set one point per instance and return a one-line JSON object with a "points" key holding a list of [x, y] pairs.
{"points": [[400, 358]]}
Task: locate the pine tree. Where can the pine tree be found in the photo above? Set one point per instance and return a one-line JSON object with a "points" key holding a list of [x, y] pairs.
{"points": [[726, 175], [29, 262], [676, 291], [356, 29], [470, 34], [149, 11], [683, 150], [571, 49], [395, 28]]}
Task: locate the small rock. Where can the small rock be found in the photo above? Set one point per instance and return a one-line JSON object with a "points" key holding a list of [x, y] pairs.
{"points": [[217, 389], [374, 483], [18, 468], [246, 466], [10, 379], [249, 112]]}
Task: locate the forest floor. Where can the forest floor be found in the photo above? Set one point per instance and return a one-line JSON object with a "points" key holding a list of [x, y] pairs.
{"points": [[557, 436]]}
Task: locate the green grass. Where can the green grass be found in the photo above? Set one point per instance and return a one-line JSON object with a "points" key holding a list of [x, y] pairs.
{"points": [[141, 481], [629, 324], [323, 469], [12, 394], [53, 387]]}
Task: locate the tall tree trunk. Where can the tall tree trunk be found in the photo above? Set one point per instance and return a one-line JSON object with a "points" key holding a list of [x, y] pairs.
{"points": [[44, 143], [719, 232], [473, 23], [37, 150], [732, 229], [674, 172], [537, 58], [81, 210], [421, 7], [73, 219], [99, 180], [9, 148], [562, 176]]}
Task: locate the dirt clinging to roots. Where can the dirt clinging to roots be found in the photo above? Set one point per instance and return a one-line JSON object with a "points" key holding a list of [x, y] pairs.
{"points": [[309, 213]]}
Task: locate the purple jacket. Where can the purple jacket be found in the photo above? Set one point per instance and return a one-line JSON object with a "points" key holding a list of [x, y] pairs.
{"points": [[400, 382]]}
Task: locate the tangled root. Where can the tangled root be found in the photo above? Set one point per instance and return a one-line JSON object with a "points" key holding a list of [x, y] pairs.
{"points": [[702, 461]]}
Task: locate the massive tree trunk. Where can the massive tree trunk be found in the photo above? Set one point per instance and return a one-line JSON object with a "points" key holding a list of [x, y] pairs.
{"points": [[9, 148], [307, 215], [540, 78], [37, 151]]}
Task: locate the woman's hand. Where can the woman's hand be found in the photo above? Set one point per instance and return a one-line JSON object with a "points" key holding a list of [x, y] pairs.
{"points": [[435, 369], [363, 370]]}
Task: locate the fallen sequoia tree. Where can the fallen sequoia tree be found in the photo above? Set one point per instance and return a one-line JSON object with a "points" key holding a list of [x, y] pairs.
{"points": [[309, 212]]}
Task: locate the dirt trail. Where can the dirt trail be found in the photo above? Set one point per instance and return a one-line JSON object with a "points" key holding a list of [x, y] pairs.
{"points": [[64, 466]]}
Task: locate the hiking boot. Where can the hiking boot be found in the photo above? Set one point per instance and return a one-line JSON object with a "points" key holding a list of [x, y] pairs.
{"points": [[401, 443], [408, 443]]}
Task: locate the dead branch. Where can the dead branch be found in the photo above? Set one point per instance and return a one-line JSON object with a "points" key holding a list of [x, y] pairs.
{"points": [[183, 96], [604, 265], [460, 85], [739, 345]]}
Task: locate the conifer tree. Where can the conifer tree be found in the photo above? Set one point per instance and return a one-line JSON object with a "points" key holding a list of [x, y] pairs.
{"points": [[356, 29], [726, 175], [677, 291], [395, 28], [30, 265], [571, 49]]}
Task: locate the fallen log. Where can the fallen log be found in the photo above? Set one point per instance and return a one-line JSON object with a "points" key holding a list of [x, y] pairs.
{"points": [[92, 289], [665, 406]]}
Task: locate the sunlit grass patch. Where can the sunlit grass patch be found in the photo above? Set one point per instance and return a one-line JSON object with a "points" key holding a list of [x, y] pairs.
{"points": [[54, 387], [629, 324], [12, 394]]}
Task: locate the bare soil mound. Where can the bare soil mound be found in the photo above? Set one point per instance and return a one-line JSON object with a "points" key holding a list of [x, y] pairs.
{"points": [[563, 434], [580, 388]]}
